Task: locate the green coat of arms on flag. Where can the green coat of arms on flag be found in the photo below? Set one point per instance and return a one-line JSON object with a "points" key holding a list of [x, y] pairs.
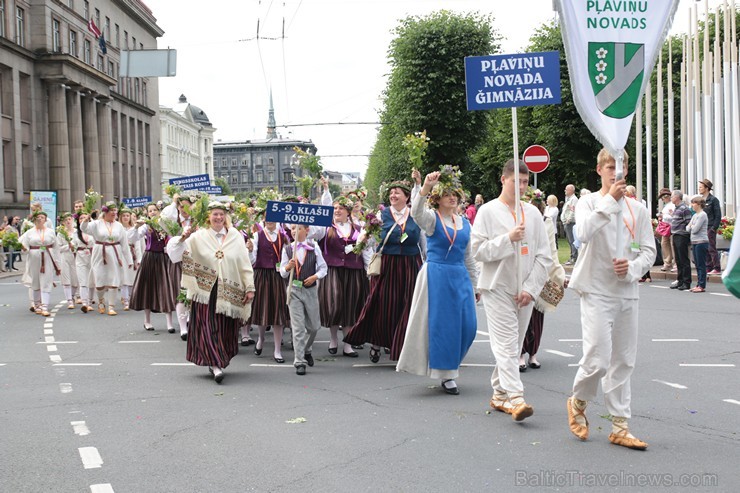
{"points": [[616, 71]]}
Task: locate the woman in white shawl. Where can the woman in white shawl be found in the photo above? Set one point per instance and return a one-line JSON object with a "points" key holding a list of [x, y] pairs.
{"points": [[42, 262]]}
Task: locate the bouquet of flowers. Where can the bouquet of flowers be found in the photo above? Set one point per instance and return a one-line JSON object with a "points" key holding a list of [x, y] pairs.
{"points": [[534, 196], [416, 144], [172, 190], [373, 228], [9, 239], [726, 227], [91, 201], [169, 226], [244, 217], [61, 230], [198, 212]]}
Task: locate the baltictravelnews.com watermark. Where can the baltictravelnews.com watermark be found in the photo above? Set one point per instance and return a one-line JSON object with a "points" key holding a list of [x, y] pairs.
{"points": [[548, 478]]}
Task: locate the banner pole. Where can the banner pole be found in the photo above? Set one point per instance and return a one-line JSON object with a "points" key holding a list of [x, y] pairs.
{"points": [[517, 198], [619, 176]]}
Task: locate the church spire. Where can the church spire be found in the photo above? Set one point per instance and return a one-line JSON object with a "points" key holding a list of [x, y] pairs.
{"points": [[271, 132]]}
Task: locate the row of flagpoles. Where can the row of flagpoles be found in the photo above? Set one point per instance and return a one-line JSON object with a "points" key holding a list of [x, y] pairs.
{"points": [[709, 115]]}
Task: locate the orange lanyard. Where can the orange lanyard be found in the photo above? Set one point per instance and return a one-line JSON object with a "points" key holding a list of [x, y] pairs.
{"points": [[110, 229], [272, 243], [513, 214], [634, 221], [405, 220], [298, 263], [444, 228], [41, 233]]}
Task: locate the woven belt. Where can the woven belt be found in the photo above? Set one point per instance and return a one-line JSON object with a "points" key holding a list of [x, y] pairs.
{"points": [[43, 258], [105, 244]]}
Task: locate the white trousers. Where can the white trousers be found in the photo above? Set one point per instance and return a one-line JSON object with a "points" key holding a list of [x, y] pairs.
{"points": [[609, 328], [507, 326]]}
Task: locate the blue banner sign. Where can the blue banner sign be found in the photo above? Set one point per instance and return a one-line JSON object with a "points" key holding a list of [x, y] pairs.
{"points": [[505, 81], [195, 182], [211, 190], [48, 200], [291, 213], [132, 202]]}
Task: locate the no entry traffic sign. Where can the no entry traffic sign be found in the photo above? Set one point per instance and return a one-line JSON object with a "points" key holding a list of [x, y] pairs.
{"points": [[536, 158]]}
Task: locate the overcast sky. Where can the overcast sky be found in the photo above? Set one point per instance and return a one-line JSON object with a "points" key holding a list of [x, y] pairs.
{"points": [[331, 67]]}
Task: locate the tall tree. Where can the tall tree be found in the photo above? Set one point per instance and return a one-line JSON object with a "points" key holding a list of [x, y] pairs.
{"points": [[426, 91]]}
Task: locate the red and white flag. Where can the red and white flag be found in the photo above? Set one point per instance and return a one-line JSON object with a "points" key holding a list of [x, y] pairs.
{"points": [[93, 28]]}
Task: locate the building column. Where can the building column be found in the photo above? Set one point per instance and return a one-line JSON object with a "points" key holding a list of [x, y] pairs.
{"points": [[135, 161], [59, 172], [106, 151], [91, 147], [76, 149]]}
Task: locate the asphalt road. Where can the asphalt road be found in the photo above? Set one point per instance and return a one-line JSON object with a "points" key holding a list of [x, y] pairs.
{"points": [[105, 406]]}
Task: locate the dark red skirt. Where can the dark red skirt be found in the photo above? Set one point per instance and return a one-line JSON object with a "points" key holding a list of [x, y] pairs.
{"points": [[270, 306], [213, 338], [385, 315], [342, 294], [175, 278], [152, 285], [534, 333]]}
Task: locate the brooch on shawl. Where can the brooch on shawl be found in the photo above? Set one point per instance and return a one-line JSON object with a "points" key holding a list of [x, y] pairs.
{"points": [[219, 254]]}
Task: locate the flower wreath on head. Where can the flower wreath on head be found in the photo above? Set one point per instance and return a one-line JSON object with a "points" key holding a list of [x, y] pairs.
{"points": [[39, 213], [108, 206], [215, 204], [345, 202], [385, 189], [63, 216], [449, 183], [358, 195]]}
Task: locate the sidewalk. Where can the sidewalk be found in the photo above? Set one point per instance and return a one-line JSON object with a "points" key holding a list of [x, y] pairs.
{"points": [[657, 275]]}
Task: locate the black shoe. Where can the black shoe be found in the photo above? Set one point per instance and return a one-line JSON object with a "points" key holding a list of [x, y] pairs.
{"points": [[332, 350], [387, 350], [534, 366], [359, 346], [184, 336], [374, 355], [278, 360], [258, 351], [309, 359], [246, 341], [151, 327], [219, 378], [450, 390], [675, 285], [171, 330], [683, 287], [522, 368], [300, 370], [350, 355]]}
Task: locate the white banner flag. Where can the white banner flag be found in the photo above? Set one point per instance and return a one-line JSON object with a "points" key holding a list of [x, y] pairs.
{"points": [[611, 47]]}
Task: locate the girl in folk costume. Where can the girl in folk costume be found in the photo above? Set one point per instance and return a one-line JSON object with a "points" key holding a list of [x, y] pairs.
{"points": [[129, 224], [152, 286], [385, 315], [442, 322], [270, 304], [179, 211], [68, 253], [43, 261], [111, 255], [358, 211], [343, 292], [84, 244], [26, 225], [217, 276]]}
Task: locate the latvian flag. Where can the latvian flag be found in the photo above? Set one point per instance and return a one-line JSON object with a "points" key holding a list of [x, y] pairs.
{"points": [[731, 275], [93, 28]]}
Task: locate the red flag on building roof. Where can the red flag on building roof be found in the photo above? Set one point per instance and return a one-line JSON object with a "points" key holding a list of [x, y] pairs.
{"points": [[93, 28]]}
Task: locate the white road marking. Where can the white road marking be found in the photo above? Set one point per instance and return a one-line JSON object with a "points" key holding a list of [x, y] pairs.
{"points": [[49, 339], [90, 457], [78, 364], [48, 332], [674, 385], [720, 294], [708, 365], [478, 365], [560, 353], [80, 428], [65, 388], [731, 401], [570, 340], [101, 488], [50, 320], [487, 341], [272, 366], [57, 342], [173, 364], [3, 364], [55, 358], [482, 333], [48, 326], [574, 364], [675, 340], [138, 342], [51, 348], [365, 365], [659, 287]]}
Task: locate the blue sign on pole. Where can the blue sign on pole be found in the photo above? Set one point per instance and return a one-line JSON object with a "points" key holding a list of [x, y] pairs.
{"points": [[506, 81], [137, 201], [292, 213], [195, 182]]}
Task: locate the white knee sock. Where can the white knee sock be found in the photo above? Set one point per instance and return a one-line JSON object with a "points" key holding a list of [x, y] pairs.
{"points": [[125, 293], [45, 298], [112, 294], [182, 317], [168, 316], [35, 297], [68, 292]]}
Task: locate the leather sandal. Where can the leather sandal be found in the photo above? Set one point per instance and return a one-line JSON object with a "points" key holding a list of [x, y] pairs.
{"points": [[521, 412], [578, 430], [621, 438], [374, 355], [501, 405]]}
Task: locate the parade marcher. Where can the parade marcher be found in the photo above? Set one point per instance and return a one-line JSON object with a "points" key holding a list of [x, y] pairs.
{"points": [[68, 253], [345, 288], [217, 276], [126, 218], [270, 307], [27, 224], [384, 317], [179, 211], [110, 255], [303, 258], [84, 244], [497, 240], [606, 281], [442, 320], [681, 241], [152, 290], [697, 228], [42, 261], [713, 210]]}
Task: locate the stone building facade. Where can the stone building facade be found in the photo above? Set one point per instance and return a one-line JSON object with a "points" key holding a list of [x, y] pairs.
{"points": [[69, 122], [186, 142]]}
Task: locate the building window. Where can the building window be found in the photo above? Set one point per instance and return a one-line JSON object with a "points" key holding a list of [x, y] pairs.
{"points": [[141, 46], [20, 26], [118, 36], [107, 29], [73, 43], [97, 17], [245, 177], [133, 43], [270, 161], [143, 92], [100, 63], [56, 36], [258, 177], [86, 51], [2, 18], [86, 10], [71, 4], [125, 39], [111, 70]]}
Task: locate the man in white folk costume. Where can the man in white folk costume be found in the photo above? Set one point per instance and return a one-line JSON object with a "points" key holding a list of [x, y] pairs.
{"points": [[607, 282], [496, 241]]}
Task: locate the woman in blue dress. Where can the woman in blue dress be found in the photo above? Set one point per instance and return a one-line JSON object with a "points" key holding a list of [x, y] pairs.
{"points": [[442, 323]]}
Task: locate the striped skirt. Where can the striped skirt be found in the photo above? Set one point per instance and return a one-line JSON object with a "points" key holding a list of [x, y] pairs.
{"points": [[534, 333], [175, 278], [342, 294], [152, 286], [213, 339], [270, 306], [385, 315]]}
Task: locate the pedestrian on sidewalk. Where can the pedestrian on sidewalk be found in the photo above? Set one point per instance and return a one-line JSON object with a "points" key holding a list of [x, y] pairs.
{"points": [[665, 216], [713, 211], [699, 242], [568, 218], [681, 241], [606, 281]]}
